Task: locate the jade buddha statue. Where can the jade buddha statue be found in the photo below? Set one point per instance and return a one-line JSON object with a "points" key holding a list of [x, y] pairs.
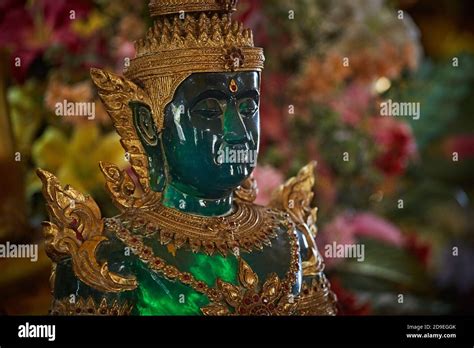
{"points": [[188, 239]]}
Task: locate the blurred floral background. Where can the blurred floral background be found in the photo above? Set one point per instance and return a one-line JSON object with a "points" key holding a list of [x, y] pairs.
{"points": [[405, 193]]}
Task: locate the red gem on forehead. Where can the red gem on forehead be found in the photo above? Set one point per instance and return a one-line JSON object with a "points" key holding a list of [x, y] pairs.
{"points": [[233, 86]]}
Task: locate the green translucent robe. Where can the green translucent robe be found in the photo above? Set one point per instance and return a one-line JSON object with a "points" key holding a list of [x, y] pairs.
{"points": [[156, 295]]}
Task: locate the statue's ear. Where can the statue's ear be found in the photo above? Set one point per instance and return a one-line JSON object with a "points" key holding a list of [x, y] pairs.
{"points": [[151, 142], [144, 124], [129, 108]]}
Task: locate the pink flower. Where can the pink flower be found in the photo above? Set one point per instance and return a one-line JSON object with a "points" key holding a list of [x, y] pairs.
{"points": [[126, 49], [268, 179], [370, 225], [339, 231], [353, 103], [29, 30], [346, 228], [396, 144]]}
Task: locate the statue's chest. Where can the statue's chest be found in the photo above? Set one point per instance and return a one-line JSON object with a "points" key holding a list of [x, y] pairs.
{"points": [[180, 281]]}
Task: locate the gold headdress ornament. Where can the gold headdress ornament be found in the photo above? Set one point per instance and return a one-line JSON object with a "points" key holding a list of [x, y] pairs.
{"points": [[188, 36]]}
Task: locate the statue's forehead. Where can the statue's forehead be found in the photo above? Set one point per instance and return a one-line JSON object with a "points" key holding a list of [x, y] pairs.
{"points": [[220, 81]]}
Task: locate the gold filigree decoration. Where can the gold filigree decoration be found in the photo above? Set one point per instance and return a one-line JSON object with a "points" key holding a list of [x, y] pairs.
{"points": [[52, 277], [275, 295], [296, 194], [116, 93], [166, 7], [89, 307], [162, 88], [316, 298], [196, 60], [233, 58], [295, 197], [248, 228], [76, 229], [228, 5], [201, 31], [272, 298], [247, 192], [122, 189]]}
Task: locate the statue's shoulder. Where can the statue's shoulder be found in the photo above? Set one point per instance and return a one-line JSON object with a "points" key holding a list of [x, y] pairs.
{"points": [[295, 197], [76, 235]]}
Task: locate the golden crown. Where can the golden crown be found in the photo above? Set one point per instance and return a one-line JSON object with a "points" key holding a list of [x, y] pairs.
{"points": [[190, 36], [195, 44]]}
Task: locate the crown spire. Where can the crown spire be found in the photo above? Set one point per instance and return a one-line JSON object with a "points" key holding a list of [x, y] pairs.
{"points": [[170, 7]]}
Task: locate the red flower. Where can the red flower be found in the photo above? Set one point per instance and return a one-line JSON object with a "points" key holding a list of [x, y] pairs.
{"points": [[29, 30], [396, 143], [420, 249], [268, 180], [250, 13], [347, 301], [247, 9], [462, 144]]}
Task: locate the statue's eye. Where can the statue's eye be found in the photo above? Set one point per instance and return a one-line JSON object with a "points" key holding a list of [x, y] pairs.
{"points": [[248, 107], [209, 108]]}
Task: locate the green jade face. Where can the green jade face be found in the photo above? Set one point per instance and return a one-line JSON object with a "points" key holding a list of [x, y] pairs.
{"points": [[209, 142]]}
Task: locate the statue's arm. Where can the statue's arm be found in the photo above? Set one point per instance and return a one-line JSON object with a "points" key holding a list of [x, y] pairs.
{"points": [[295, 197], [89, 276]]}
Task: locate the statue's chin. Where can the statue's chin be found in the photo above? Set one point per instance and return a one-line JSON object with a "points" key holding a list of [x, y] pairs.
{"points": [[235, 173], [238, 171], [218, 181]]}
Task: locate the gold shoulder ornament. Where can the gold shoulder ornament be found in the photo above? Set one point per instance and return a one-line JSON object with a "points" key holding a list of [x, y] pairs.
{"points": [[76, 230], [90, 307], [295, 197]]}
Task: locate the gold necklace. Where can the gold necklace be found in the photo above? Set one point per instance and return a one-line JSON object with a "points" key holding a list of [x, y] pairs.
{"points": [[273, 297], [248, 228]]}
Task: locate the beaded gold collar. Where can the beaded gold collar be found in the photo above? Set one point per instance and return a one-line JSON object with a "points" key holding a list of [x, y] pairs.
{"points": [[249, 297], [248, 228]]}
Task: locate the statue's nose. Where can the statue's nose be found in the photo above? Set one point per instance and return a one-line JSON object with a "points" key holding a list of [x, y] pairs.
{"points": [[235, 131]]}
